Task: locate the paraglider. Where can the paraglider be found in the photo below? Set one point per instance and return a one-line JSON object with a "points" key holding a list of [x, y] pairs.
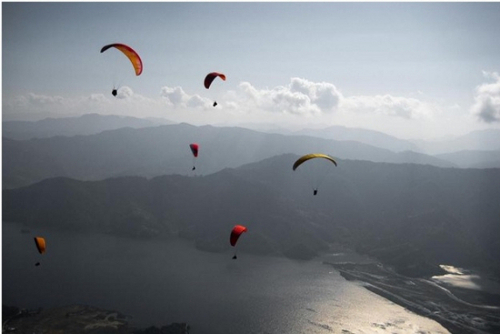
{"points": [[194, 149], [40, 245], [210, 77], [133, 56], [307, 157], [235, 235]]}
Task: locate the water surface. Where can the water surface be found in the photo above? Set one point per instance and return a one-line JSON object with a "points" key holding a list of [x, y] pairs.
{"points": [[158, 282]]}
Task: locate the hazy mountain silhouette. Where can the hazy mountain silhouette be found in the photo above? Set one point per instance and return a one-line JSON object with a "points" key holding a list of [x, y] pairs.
{"points": [[480, 140], [411, 216], [473, 159], [70, 126], [370, 137], [477, 149], [164, 150]]}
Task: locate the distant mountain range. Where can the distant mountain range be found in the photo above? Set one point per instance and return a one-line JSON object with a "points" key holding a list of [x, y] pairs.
{"points": [[71, 126], [370, 137], [133, 177], [481, 140], [473, 159], [160, 150], [413, 217], [478, 149]]}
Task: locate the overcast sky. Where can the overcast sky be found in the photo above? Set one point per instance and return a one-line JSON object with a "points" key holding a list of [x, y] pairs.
{"points": [[413, 70]]}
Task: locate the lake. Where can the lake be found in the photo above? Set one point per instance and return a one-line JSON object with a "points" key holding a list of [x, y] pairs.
{"points": [[159, 282]]}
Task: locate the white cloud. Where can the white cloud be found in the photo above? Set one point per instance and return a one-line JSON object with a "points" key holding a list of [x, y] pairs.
{"points": [[176, 97], [36, 106], [299, 103], [300, 97], [124, 93], [324, 95], [305, 98], [487, 99], [388, 105], [197, 101], [98, 98], [36, 103]]}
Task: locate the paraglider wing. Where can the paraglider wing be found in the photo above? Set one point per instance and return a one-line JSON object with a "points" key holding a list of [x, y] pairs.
{"points": [[211, 76], [194, 148], [40, 244], [130, 53], [306, 157], [235, 234]]}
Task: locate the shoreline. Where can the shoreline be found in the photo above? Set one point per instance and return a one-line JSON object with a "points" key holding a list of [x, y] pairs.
{"points": [[77, 319], [426, 298]]}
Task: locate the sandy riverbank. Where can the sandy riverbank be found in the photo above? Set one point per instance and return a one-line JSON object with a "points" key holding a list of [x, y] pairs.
{"points": [[457, 309]]}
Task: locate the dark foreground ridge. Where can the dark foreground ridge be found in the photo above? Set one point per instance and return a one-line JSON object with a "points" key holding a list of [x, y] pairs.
{"points": [[77, 319], [461, 311]]}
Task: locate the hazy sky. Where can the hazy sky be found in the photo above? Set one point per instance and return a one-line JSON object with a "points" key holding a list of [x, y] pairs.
{"points": [[408, 69]]}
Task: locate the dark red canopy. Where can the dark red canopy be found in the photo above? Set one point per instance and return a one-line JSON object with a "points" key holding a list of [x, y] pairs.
{"points": [[235, 233]]}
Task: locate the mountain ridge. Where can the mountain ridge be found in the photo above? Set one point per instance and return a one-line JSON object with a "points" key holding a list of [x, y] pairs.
{"points": [[164, 149], [71, 126], [412, 217]]}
